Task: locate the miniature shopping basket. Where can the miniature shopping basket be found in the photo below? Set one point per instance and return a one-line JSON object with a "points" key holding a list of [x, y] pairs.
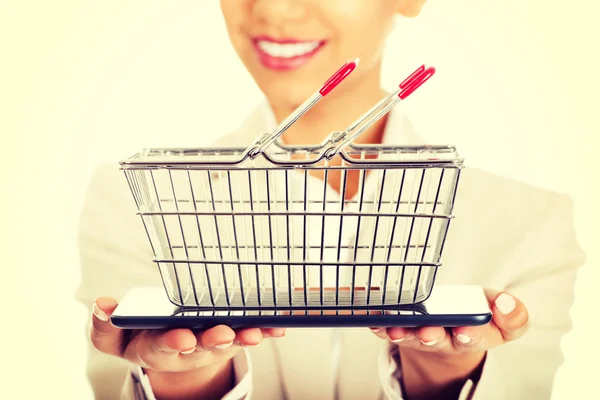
{"points": [[335, 226]]}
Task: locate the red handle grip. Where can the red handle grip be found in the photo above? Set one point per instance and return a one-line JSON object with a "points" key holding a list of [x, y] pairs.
{"points": [[415, 80], [339, 76]]}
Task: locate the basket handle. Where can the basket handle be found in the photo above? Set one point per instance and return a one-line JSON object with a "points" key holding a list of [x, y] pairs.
{"points": [[364, 122], [266, 140]]}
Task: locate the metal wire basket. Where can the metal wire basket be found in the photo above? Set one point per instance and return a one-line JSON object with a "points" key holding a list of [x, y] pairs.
{"points": [[329, 226]]}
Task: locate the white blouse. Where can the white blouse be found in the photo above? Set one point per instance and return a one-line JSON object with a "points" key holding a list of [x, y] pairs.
{"points": [[506, 236]]}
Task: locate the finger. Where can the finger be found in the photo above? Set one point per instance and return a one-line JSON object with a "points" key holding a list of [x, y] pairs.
{"points": [[273, 332], [434, 337], [173, 341], [104, 335], [161, 350], [248, 337], [399, 334], [477, 337], [219, 337], [380, 333], [510, 316]]}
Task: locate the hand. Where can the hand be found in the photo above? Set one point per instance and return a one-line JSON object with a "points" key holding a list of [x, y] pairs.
{"points": [[438, 360], [179, 363]]}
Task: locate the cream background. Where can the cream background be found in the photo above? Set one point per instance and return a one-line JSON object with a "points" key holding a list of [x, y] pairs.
{"points": [[82, 82]]}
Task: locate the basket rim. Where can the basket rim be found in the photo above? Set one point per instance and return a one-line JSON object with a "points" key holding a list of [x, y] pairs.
{"points": [[179, 157]]}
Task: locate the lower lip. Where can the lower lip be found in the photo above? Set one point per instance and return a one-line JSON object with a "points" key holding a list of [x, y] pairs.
{"points": [[285, 64]]}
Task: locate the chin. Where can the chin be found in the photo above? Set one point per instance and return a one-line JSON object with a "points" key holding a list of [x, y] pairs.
{"points": [[283, 93]]}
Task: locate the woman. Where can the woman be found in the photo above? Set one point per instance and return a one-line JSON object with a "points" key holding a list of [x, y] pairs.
{"points": [[517, 241]]}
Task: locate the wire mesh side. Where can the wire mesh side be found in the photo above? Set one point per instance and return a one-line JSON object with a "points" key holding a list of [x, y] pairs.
{"points": [[327, 236]]}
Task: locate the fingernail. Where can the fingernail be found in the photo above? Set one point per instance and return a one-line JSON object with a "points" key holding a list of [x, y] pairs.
{"points": [[463, 338], [190, 351], [505, 303], [375, 330], [398, 340], [101, 315], [223, 345], [431, 343]]}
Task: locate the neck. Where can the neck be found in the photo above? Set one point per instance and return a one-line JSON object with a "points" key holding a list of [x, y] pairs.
{"points": [[335, 112]]}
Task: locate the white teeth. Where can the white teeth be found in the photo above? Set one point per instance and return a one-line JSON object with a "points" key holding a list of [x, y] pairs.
{"points": [[287, 50]]}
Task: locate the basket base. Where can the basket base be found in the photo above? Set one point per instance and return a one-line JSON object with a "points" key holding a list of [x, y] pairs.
{"points": [[447, 306]]}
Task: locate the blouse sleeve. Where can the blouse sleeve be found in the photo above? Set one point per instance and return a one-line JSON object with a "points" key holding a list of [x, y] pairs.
{"points": [[115, 256], [543, 278]]}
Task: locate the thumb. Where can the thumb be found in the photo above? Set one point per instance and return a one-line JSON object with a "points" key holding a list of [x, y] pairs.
{"points": [[104, 335], [511, 316]]}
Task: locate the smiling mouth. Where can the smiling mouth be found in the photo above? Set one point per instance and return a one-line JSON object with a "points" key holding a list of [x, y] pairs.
{"points": [[285, 54]]}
